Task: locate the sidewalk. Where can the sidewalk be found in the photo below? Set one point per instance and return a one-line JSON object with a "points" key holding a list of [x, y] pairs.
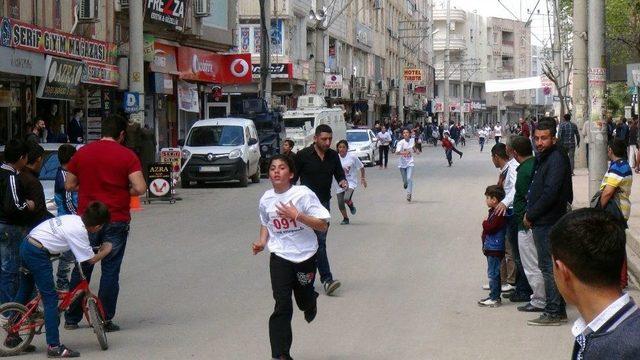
{"points": [[581, 199]]}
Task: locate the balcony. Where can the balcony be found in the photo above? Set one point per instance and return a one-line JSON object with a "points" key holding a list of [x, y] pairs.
{"points": [[455, 15], [456, 42]]}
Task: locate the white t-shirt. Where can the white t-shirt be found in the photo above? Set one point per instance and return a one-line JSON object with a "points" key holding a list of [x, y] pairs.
{"points": [[351, 165], [291, 240], [482, 133], [404, 145], [64, 233], [384, 138], [497, 130]]}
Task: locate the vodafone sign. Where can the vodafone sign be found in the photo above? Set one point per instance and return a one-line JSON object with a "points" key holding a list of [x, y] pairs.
{"points": [[224, 69]]}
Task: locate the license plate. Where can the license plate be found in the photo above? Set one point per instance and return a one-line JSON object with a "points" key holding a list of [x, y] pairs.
{"points": [[209, 168]]}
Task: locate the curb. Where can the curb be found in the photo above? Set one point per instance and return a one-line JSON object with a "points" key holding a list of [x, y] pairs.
{"points": [[633, 257]]}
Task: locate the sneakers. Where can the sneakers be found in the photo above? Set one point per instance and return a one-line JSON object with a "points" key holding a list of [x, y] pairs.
{"points": [[508, 287], [409, 197], [345, 221], [110, 326], [547, 320], [352, 209], [331, 286], [530, 308], [405, 185], [488, 302], [61, 351]]}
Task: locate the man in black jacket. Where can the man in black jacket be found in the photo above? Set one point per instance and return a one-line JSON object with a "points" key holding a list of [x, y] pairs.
{"points": [[14, 213], [75, 129], [316, 167], [549, 195]]}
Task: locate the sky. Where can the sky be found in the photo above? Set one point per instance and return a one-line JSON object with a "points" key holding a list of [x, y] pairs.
{"points": [[487, 8]]}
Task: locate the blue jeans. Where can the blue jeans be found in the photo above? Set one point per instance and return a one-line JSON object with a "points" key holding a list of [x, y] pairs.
{"points": [[40, 274], [555, 303], [407, 178], [321, 256], [10, 237], [66, 262], [481, 142], [115, 233], [493, 271]]}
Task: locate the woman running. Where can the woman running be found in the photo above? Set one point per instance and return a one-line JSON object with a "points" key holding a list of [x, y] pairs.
{"points": [[288, 215], [351, 164], [405, 164]]}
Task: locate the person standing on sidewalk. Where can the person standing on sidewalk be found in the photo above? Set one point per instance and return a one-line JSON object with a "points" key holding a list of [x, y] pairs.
{"points": [[550, 194], [316, 167], [32, 187], [405, 163], [108, 172], [633, 143], [289, 215], [497, 132], [15, 211], [586, 128], [569, 138], [384, 140], [523, 154]]}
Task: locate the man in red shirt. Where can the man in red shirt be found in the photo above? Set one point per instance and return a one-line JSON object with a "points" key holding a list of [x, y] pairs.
{"points": [[109, 172], [524, 128]]}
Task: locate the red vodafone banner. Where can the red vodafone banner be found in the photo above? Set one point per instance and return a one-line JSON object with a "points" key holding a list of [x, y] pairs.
{"points": [[224, 69]]}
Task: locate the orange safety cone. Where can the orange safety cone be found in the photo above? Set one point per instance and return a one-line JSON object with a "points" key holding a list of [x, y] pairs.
{"points": [[134, 204]]}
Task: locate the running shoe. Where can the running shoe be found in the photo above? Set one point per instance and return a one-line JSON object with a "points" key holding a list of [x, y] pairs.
{"points": [[110, 326], [345, 221], [61, 351], [488, 302], [331, 286], [508, 287], [409, 197], [546, 320], [352, 208]]}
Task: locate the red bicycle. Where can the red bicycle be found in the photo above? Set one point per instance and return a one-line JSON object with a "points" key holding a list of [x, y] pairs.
{"points": [[22, 322]]}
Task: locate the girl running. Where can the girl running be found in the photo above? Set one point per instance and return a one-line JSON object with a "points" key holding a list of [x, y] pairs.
{"points": [[351, 164], [289, 214], [405, 164]]}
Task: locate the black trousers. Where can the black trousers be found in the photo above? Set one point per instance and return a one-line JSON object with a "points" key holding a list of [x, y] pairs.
{"points": [[383, 151], [288, 277]]}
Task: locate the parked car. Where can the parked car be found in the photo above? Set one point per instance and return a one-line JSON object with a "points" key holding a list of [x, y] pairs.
{"points": [[364, 144], [221, 149]]}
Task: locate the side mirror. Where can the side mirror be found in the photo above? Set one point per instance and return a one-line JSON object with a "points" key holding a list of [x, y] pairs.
{"points": [[181, 142], [253, 141]]}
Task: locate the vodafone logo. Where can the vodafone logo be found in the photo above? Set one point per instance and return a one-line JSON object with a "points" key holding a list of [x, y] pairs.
{"points": [[239, 68]]}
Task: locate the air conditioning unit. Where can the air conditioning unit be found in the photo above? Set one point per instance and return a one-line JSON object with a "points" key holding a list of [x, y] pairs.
{"points": [[201, 8], [377, 4], [88, 10]]}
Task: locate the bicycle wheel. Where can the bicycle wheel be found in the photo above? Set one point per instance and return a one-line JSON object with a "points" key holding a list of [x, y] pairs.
{"points": [[13, 341], [97, 323]]}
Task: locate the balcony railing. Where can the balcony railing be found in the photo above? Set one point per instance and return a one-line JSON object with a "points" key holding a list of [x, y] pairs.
{"points": [[456, 42]]}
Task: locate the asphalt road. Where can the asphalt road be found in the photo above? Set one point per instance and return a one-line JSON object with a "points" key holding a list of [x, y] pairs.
{"points": [[411, 275]]}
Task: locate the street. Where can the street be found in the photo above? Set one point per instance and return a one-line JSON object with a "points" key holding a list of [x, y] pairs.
{"points": [[411, 276]]}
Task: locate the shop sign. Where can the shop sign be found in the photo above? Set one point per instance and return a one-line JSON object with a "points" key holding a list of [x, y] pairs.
{"points": [[61, 79], [278, 71], [479, 105], [223, 69], [172, 156], [167, 12], [412, 75], [164, 59], [131, 102], [100, 74], [162, 83], [332, 81], [149, 47], [19, 35], [188, 99], [159, 180], [15, 61], [94, 114], [420, 90]]}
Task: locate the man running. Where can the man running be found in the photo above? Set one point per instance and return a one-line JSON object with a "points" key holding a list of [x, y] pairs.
{"points": [[316, 166]]}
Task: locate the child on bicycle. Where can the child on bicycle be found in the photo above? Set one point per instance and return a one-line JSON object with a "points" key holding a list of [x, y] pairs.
{"points": [[289, 214], [51, 238]]}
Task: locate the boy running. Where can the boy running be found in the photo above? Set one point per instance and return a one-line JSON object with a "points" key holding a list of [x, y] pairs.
{"points": [[351, 164], [54, 237], [405, 164], [289, 214]]}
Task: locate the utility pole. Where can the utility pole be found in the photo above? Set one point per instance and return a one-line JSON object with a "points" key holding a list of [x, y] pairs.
{"points": [[319, 57], [597, 85], [401, 84], [461, 95], [265, 53], [136, 60], [447, 63], [580, 73]]}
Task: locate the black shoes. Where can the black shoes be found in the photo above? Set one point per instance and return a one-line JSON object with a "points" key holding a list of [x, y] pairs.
{"points": [[110, 326], [515, 297], [331, 286], [530, 308], [61, 351]]}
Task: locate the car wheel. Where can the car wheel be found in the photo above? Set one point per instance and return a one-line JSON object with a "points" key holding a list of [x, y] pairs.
{"points": [[244, 177], [185, 182]]}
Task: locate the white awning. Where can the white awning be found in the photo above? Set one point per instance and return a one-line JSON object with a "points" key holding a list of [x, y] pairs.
{"points": [[513, 84]]}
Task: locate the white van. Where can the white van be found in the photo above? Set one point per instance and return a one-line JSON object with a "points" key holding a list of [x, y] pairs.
{"points": [[221, 149], [300, 124]]}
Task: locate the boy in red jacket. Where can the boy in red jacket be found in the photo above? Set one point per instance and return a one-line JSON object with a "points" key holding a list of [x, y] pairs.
{"points": [[449, 146], [493, 234]]}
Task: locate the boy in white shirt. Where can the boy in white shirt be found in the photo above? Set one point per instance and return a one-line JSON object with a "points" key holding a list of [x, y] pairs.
{"points": [[289, 214], [50, 238], [351, 165], [405, 164]]}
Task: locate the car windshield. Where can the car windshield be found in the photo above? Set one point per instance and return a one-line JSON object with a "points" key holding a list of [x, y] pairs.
{"points": [[49, 166], [297, 122], [356, 136], [216, 135]]}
